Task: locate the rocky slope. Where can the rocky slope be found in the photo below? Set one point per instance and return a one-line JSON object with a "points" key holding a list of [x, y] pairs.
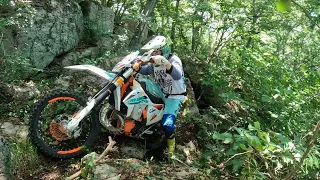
{"points": [[39, 32], [60, 33]]}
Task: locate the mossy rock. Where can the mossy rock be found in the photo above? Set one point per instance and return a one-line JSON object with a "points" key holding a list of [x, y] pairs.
{"points": [[189, 106]]}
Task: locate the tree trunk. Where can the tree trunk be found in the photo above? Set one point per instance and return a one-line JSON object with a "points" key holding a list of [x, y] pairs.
{"points": [[182, 35], [103, 2], [120, 11], [173, 27], [162, 23], [142, 30], [109, 3], [194, 35], [253, 29], [148, 8], [195, 29]]}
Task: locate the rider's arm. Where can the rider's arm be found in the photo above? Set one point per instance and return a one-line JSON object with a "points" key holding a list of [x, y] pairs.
{"points": [[146, 69], [176, 68]]}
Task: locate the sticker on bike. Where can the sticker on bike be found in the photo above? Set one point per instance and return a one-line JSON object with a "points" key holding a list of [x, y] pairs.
{"points": [[139, 100]]}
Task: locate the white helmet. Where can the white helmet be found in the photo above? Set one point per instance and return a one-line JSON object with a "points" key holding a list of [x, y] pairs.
{"points": [[159, 43]]}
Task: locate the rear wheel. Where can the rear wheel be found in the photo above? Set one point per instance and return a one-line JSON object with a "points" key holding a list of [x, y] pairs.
{"points": [[48, 119]]}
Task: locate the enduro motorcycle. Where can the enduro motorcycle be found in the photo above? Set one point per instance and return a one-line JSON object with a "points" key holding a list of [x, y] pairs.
{"points": [[64, 124]]}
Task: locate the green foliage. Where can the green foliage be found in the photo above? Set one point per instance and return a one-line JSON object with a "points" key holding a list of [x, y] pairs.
{"points": [[101, 60], [259, 75], [17, 18], [3, 23], [283, 5], [262, 68], [15, 68], [24, 159], [88, 165], [252, 152]]}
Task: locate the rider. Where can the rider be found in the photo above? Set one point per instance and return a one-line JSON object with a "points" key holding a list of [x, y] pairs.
{"points": [[168, 71]]}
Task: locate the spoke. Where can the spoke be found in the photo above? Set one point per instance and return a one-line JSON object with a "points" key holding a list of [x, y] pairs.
{"points": [[60, 113]]}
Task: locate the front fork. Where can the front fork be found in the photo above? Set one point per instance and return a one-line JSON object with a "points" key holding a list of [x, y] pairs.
{"points": [[100, 96], [96, 100]]}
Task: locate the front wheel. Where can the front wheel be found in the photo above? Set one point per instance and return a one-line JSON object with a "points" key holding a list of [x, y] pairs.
{"points": [[48, 119]]}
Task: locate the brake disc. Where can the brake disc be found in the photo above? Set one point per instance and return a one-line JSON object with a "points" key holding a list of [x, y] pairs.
{"points": [[58, 128]]}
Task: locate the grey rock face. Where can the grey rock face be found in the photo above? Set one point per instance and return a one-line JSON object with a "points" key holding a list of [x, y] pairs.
{"points": [[54, 33], [189, 106], [99, 20], [47, 33], [8, 129], [24, 93], [63, 82], [48, 30], [91, 52], [98, 24], [105, 44], [4, 155], [1, 160], [69, 59]]}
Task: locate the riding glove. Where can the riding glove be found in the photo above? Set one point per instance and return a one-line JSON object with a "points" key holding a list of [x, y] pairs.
{"points": [[160, 60]]}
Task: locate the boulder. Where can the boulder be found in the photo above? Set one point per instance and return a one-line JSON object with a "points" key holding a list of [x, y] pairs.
{"points": [[105, 171], [108, 64], [52, 30], [98, 24], [185, 173], [12, 130], [24, 92], [74, 57], [90, 52], [189, 106], [99, 20], [69, 59], [63, 82], [4, 158], [46, 31], [6, 93], [105, 44]]}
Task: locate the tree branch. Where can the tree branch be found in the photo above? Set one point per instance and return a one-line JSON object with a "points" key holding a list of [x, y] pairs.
{"points": [[236, 155], [98, 160], [267, 166], [294, 169], [109, 147], [306, 13], [120, 10], [1, 37]]}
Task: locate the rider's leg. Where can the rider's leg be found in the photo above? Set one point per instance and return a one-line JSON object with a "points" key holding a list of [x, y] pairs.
{"points": [[171, 111]]}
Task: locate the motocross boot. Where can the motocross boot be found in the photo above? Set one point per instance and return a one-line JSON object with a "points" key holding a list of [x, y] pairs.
{"points": [[171, 143]]}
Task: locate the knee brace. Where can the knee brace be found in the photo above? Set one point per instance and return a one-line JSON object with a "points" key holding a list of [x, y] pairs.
{"points": [[168, 124]]}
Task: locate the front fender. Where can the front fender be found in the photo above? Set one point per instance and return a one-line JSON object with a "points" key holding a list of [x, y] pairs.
{"points": [[95, 70]]}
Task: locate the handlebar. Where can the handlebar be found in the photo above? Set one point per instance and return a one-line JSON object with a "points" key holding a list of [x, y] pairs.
{"points": [[136, 65]]}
